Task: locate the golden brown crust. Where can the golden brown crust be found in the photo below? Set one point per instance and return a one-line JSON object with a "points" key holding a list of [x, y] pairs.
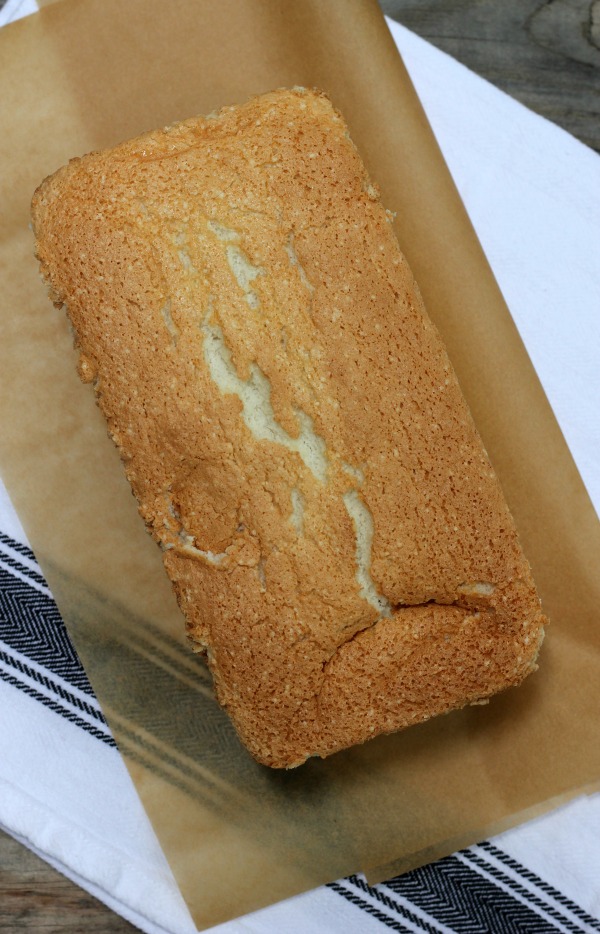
{"points": [[290, 424]]}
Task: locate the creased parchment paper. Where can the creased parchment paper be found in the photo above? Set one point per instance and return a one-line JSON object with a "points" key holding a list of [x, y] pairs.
{"points": [[85, 75]]}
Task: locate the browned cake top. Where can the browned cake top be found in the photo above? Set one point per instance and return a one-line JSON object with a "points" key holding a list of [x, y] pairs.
{"points": [[290, 425]]}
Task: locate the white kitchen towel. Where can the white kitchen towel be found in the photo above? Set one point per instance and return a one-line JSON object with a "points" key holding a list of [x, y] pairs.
{"points": [[533, 194]]}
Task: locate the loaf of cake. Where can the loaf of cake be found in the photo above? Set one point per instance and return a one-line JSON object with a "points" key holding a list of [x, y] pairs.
{"points": [[290, 424]]}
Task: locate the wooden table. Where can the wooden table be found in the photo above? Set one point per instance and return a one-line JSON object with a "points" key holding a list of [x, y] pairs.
{"points": [[37, 899], [546, 55]]}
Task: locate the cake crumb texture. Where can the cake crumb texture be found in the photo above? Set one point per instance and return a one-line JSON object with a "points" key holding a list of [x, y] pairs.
{"points": [[290, 424]]}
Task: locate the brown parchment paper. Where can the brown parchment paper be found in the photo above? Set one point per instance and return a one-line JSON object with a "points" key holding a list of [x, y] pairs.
{"points": [[85, 74]]}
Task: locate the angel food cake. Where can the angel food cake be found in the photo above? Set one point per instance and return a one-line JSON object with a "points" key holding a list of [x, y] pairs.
{"points": [[290, 424]]}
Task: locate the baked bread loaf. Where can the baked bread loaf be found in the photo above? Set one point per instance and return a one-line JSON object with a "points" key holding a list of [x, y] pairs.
{"points": [[290, 424]]}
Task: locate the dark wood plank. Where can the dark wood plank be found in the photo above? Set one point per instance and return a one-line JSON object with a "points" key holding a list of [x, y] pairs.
{"points": [[36, 898], [544, 54]]}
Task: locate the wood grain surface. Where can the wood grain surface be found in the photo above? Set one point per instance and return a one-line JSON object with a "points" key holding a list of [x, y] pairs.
{"points": [[36, 898], [544, 54]]}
